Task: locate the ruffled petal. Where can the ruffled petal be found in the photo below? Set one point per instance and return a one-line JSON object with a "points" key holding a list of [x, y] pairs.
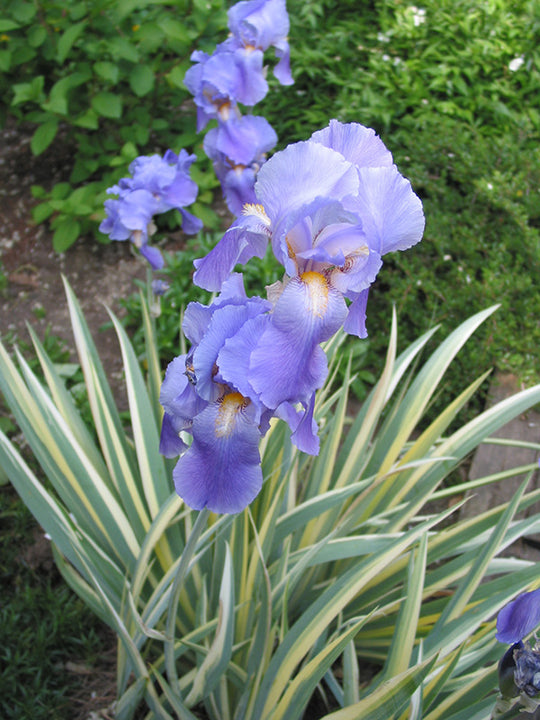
{"points": [[234, 357], [225, 323], [296, 176], [358, 144], [239, 244], [391, 213]]}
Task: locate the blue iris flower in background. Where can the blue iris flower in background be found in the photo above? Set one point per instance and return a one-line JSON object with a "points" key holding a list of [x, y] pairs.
{"points": [[263, 24], [519, 618], [157, 184], [220, 81], [238, 149]]}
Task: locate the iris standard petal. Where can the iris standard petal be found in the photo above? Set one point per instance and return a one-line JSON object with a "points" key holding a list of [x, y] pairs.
{"points": [[224, 324], [358, 144], [295, 177], [234, 357], [241, 139], [259, 23], [221, 470], [197, 316], [519, 618], [358, 272], [391, 213]]}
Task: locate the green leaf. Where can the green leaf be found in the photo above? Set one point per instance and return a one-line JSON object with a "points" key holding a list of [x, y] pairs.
{"points": [[392, 694], [122, 49], [141, 80], [43, 136], [107, 105], [216, 661], [68, 39], [88, 119], [5, 60], [107, 71], [65, 234], [7, 25], [29, 91], [37, 36]]}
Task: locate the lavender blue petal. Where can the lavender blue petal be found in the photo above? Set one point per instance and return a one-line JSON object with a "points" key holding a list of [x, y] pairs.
{"points": [[221, 470], [358, 144], [519, 618], [391, 213]]}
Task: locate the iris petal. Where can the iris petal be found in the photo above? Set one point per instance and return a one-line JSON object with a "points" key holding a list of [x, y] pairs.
{"points": [[296, 176], [391, 213], [221, 470], [519, 618], [358, 144]]}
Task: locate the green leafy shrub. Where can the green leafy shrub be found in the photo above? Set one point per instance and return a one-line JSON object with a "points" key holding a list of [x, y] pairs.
{"points": [[105, 78]]}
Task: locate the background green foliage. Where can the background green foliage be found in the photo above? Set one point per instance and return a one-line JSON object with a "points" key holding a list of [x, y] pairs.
{"points": [[105, 78]]}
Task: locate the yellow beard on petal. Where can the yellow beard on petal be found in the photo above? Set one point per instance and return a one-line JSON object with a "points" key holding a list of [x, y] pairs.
{"points": [[317, 286], [229, 407], [258, 211]]}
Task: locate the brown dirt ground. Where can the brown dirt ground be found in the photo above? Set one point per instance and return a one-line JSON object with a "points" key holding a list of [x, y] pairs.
{"points": [[100, 274]]}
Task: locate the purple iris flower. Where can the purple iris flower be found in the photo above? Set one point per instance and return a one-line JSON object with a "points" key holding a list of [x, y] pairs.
{"points": [[519, 618], [263, 24], [158, 184], [238, 149], [211, 394], [330, 207], [220, 81]]}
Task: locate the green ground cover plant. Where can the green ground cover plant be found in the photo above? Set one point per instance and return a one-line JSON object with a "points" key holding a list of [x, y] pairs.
{"points": [[105, 78]]}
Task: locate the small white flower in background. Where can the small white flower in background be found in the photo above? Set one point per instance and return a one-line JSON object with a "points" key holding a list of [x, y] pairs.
{"points": [[516, 63], [490, 186], [419, 15], [381, 37]]}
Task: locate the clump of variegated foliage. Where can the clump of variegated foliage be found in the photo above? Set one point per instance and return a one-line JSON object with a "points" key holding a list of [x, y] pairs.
{"points": [[343, 562]]}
